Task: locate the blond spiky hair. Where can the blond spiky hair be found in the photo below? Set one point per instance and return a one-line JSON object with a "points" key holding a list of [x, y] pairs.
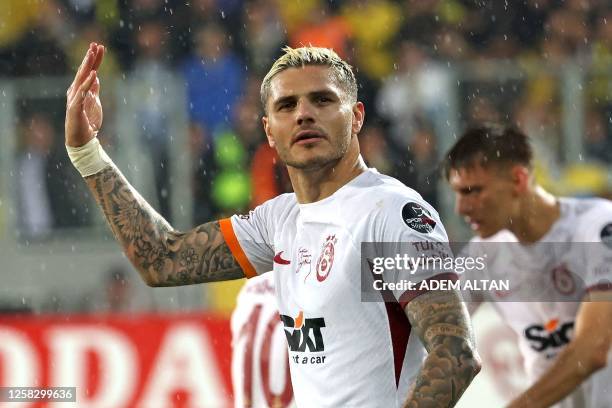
{"points": [[300, 57]]}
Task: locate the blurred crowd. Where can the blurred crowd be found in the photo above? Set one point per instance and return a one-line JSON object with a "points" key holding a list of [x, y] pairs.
{"points": [[405, 53]]}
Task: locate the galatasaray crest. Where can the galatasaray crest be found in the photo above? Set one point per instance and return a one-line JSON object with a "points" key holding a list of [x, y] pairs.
{"points": [[326, 259]]}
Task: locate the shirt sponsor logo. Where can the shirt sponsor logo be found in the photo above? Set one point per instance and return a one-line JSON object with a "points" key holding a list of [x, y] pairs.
{"points": [[326, 259], [606, 235], [418, 218], [279, 259], [553, 334], [304, 334]]}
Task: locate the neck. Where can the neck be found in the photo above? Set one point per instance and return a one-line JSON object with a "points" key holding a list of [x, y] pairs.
{"points": [[538, 211], [315, 185]]}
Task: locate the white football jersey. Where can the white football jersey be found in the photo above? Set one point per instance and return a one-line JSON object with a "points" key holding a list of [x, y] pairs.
{"points": [[343, 352], [550, 277], [260, 366]]}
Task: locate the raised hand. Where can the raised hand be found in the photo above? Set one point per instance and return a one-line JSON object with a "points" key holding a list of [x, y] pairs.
{"points": [[83, 108]]}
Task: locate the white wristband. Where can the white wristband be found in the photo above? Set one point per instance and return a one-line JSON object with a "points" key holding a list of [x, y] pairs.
{"points": [[90, 158]]}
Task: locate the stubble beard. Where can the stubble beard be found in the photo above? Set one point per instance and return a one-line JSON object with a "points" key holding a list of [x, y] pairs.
{"points": [[318, 162]]}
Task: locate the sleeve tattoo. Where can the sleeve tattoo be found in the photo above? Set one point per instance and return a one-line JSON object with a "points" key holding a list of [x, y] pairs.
{"points": [[441, 321], [162, 255]]}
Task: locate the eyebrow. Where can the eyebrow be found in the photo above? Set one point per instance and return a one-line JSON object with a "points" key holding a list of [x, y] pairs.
{"points": [[283, 99], [313, 94], [323, 92], [468, 189]]}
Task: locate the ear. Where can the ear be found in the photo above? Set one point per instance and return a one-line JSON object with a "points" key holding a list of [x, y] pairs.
{"points": [[520, 178], [358, 117], [266, 125]]}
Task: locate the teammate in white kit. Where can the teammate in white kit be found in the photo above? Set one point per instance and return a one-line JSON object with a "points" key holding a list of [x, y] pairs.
{"points": [[260, 367], [549, 248], [343, 351]]}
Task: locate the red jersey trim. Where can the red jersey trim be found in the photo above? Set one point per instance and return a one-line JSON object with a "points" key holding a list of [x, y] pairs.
{"points": [[600, 287]]}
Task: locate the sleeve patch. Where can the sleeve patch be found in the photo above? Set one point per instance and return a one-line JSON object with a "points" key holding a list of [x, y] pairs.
{"points": [[606, 235], [418, 218]]}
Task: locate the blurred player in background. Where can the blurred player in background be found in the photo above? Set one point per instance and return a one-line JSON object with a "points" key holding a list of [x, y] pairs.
{"points": [[343, 352], [537, 240], [260, 365]]}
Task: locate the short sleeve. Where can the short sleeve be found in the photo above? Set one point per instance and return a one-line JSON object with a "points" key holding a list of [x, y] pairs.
{"points": [[249, 237], [410, 237], [595, 244]]}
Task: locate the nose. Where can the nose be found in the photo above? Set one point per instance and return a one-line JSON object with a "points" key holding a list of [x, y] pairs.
{"points": [[463, 205], [304, 113]]}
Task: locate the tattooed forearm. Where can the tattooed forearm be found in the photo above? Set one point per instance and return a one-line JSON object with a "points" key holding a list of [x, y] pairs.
{"points": [[163, 256], [442, 323]]}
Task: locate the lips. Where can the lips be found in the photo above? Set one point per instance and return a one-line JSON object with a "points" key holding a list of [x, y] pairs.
{"points": [[307, 136], [474, 224]]}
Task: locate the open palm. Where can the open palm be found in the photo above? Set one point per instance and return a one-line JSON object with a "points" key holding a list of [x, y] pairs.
{"points": [[83, 107]]}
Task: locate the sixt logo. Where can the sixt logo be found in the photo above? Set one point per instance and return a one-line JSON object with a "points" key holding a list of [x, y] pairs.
{"points": [[304, 334], [551, 335]]}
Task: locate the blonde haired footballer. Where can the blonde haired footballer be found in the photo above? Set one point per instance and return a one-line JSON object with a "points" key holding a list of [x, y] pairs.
{"points": [[342, 352]]}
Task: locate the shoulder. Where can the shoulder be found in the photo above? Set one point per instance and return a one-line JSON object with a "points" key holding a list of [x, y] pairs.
{"points": [[398, 207], [592, 218], [397, 196], [282, 200], [373, 193], [276, 206], [390, 190], [588, 208], [489, 246], [267, 216]]}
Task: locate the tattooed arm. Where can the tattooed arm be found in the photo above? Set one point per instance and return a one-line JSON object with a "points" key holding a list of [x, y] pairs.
{"points": [[163, 256], [441, 321]]}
